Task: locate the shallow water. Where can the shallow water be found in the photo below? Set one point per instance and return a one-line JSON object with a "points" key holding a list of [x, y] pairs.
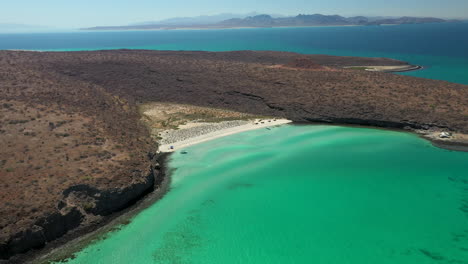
{"points": [[303, 194]]}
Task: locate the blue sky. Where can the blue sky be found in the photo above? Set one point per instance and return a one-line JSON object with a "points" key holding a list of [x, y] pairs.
{"points": [[84, 13]]}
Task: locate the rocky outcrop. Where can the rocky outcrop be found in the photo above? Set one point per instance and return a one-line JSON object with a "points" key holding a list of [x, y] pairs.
{"points": [[372, 122], [79, 203], [105, 202], [43, 231]]}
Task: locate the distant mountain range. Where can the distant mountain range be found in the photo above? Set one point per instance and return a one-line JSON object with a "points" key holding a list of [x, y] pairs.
{"points": [[199, 20], [323, 20], [272, 21]]}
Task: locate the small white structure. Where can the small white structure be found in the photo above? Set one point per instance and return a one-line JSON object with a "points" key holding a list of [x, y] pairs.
{"points": [[445, 135]]}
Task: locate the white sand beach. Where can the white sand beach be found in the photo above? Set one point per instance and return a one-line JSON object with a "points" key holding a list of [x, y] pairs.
{"points": [[396, 68], [194, 133]]}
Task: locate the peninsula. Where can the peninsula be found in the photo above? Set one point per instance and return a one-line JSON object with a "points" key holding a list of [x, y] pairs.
{"points": [[80, 131]]}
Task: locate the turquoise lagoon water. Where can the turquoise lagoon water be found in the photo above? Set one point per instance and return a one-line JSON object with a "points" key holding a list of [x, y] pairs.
{"points": [[303, 194], [440, 48]]}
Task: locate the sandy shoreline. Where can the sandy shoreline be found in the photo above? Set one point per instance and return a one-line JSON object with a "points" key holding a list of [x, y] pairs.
{"points": [[78, 239], [194, 133], [398, 68], [221, 129]]}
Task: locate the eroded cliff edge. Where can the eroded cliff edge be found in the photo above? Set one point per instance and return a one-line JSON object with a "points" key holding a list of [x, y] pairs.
{"points": [[80, 205]]}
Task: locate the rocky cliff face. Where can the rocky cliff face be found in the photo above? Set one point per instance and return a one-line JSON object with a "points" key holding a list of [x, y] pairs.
{"points": [[43, 231], [78, 205]]}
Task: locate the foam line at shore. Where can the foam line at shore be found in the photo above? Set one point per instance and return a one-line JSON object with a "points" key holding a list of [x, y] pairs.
{"points": [[252, 125]]}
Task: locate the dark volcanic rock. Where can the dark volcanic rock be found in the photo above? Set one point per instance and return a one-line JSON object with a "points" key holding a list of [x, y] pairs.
{"points": [[58, 223], [109, 201], [43, 231]]}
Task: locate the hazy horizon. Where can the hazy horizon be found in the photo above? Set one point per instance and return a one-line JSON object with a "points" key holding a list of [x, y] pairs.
{"points": [[87, 13]]}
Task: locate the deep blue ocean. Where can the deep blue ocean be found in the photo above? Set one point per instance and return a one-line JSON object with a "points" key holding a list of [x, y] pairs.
{"points": [[441, 48]]}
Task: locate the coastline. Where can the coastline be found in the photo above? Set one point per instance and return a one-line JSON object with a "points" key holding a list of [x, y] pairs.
{"points": [[430, 135], [209, 28], [456, 142], [246, 97], [392, 69], [218, 133], [130, 28], [76, 240]]}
